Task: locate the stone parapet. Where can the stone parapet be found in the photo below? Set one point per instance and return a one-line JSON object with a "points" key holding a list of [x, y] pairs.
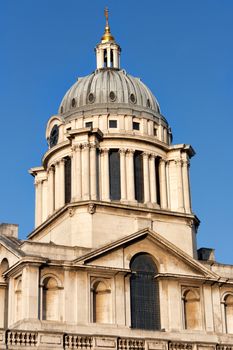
{"points": [[18, 339]]}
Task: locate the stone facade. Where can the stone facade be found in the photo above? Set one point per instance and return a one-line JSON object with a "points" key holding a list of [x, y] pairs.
{"points": [[112, 262]]}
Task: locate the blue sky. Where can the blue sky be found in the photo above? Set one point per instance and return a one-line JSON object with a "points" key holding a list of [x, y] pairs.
{"points": [[182, 49]]}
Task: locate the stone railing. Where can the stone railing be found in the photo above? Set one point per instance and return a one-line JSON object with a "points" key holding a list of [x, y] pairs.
{"points": [[17, 339], [21, 338], [224, 347], [78, 342], [130, 344], [180, 346]]}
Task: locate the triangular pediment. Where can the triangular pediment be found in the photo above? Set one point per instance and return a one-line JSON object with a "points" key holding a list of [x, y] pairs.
{"points": [[9, 252], [170, 259]]}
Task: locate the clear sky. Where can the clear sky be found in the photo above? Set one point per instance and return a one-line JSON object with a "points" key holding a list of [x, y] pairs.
{"points": [[182, 49]]}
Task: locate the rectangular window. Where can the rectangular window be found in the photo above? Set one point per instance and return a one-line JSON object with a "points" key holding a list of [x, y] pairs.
{"points": [[138, 177], [88, 124], [114, 174], [155, 132], [157, 180], [112, 123], [136, 126], [67, 180]]}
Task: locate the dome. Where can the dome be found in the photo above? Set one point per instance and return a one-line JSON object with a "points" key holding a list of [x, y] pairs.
{"points": [[109, 87]]}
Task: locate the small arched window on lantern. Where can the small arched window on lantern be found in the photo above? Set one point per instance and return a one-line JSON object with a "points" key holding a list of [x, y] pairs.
{"points": [[144, 293], [51, 299], [101, 301], [192, 309], [228, 311]]}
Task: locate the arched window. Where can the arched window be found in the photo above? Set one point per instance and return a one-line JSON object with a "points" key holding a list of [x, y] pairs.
{"points": [[138, 177], [18, 299], [114, 174], [192, 309], [102, 306], [228, 304], [67, 180], [3, 267], [144, 292], [50, 299]]}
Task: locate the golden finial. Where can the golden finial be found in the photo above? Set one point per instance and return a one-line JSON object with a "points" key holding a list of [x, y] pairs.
{"points": [[107, 34]]}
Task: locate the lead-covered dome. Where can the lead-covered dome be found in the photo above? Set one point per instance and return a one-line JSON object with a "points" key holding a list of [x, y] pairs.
{"points": [[111, 87]]}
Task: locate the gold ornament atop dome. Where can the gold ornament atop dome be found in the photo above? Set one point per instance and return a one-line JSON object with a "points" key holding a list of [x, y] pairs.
{"points": [[107, 34]]}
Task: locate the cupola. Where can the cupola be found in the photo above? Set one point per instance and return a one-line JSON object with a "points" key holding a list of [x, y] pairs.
{"points": [[107, 51]]}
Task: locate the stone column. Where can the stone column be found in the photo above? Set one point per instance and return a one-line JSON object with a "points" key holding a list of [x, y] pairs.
{"points": [[93, 171], [62, 183], [86, 171], [123, 173], [146, 178], [38, 202], [30, 292], [57, 183], [163, 183], [108, 57], [44, 200], [130, 175], [105, 175], [153, 188], [77, 173], [185, 174], [178, 163], [51, 175]]}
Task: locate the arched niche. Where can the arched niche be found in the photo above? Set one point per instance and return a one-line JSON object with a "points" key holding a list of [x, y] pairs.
{"points": [[228, 308], [50, 299], [144, 293], [192, 309], [4, 266], [18, 298], [102, 303]]}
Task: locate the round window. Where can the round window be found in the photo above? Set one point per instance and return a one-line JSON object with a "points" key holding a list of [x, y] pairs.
{"points": [[73, 102], [132, 98], [112, 96], [91, 97]]}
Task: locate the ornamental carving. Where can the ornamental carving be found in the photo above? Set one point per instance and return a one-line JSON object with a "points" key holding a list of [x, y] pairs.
{"points": [[91, 208]]}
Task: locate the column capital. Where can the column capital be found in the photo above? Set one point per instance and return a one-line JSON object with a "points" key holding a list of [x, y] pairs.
{"points": [[152, 156], [51, 168], [163, 161], [85, 145], [130, 151], [178, 162], [38, 182], [104, 150], [93, 145], [186, 163], [145, 154], [122, 151]]}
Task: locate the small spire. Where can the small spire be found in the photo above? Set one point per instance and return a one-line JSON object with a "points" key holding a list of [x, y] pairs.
{"points": [[107, 34]]}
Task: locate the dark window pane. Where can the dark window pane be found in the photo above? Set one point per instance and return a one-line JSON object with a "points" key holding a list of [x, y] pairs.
{"points": [[136, 126], [114, 173], [157, 179], [88, 124], [138, 177], [67, 180], [112, 123], [144, 292]]}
